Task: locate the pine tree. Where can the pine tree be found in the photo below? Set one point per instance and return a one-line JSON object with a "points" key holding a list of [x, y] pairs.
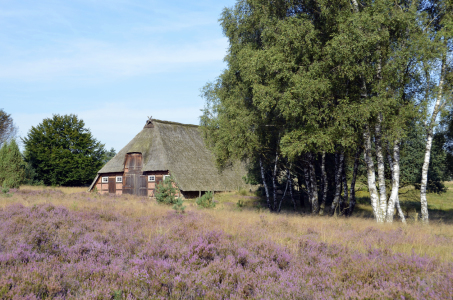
{"points": [[12, 165], [3, 152]]}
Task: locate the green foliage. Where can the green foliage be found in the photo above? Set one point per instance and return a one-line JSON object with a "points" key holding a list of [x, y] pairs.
{"points": [[61, 151], [206, 201], [242, 192], [7, 128], [117, 295], [109, 155], [412, 156], [240, 203], [166, 192], [11, 165], [250, 179], [5, 189], [31, 177], [178, 206]]}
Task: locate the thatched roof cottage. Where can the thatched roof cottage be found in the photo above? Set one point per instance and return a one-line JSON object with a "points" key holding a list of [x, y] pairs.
{"points": [[162, 149]]}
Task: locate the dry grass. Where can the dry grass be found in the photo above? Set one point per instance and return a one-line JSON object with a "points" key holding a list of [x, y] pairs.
{"points": [[435, 240]]}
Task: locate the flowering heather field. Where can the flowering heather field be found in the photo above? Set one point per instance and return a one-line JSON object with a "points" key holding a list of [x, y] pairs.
{"points": [[66, 246]]}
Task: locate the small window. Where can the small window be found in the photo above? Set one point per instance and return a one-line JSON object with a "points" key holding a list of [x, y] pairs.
{"points": [[105, 180], [151, 178], [166, 176], [119, 178]]}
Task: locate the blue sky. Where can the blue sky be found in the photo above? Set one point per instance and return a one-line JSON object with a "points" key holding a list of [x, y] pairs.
{"points": [[111, 62]]}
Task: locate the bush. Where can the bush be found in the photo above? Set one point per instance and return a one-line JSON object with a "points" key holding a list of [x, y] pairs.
{"points": [[240, 204], [166, 192], [242, 192], [205, 201], [178, 206]]}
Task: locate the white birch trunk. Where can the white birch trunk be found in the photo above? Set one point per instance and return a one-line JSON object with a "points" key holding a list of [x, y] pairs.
{"points": [[274, 183], [291, 189], [313, 186], [429, 141], [396, 199], [345, 190], [338, 173], [354, 176], [400, 211], [266, 190], [395, 182], [381, 170], [371, 176], [324, 183]]}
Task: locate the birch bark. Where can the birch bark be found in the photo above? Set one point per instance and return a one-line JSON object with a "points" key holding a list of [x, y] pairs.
{"points": [[336, 198], [381, 170], [274, 181], [395, 183], [291, 189], [266, 190], [354, 176], [313, 185], [324, 183], [429, 141], [371, 176]]}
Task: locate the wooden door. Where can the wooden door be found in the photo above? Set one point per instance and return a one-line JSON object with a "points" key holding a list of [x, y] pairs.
{"points": [[132, 182], [143, 185], [128, 184], [112, 185]]}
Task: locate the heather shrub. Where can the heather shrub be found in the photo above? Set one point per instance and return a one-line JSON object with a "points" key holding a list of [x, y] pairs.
{"points": [[48, 251], [166, 192], [206, 201]]}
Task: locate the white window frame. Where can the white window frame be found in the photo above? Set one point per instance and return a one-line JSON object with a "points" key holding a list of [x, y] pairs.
{"points": [[166, 176], [105, 179], [151, 178], [119, 179]]}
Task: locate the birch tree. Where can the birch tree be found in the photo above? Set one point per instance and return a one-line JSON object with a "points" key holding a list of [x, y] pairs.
{"points": [[440, 29], [7, 128]]}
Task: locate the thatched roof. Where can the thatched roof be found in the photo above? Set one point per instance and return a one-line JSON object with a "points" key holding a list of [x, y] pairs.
{"points": [[180, 149]]}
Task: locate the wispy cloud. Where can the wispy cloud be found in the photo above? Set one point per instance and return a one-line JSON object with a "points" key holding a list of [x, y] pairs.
{"points": [[89, 59]]}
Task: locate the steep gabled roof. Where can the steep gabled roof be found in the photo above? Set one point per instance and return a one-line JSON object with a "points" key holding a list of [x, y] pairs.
{"points": [[180, 149]]}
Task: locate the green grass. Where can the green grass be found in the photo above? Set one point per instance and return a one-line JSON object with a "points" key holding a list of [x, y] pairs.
{"points": [[440, 205]]}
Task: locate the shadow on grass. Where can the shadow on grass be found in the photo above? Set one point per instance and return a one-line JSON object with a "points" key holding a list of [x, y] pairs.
{"points": [[409, 204]]}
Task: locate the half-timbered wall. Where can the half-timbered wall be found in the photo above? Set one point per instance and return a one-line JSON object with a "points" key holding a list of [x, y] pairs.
{"points": [[110, 184], [118, 188]]}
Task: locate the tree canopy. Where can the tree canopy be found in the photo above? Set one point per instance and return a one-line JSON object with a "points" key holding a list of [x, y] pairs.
{"points": [[63, 152], [306, 78], [7, 128]]}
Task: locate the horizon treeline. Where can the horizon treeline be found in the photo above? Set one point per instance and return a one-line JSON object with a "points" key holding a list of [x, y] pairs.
{"points": [[318, 93]]}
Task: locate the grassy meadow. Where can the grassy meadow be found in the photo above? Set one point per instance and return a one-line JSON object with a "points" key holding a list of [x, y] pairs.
{"points": [[65, 243]]}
